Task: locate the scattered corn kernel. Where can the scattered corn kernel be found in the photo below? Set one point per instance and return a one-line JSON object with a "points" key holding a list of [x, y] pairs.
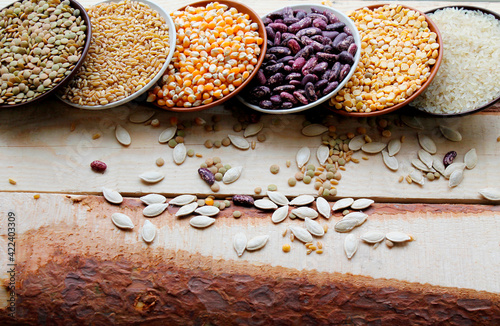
{"points": [[37, 196], [286, 247], [12, 181]]}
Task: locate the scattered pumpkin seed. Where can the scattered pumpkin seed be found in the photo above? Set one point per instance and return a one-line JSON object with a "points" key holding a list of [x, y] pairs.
{"points": [[350, 245], [301, 234], [239, 242], [201, 221], [390, 161], [397, 236], [373, 147], [373, 237], [182, 200], [153, 199], [232, 174], [154, 209], [257, 242], [112, 196], [450, 133], [141, 116], [122, 221], [491, 193], [425, 157], [148, 231], [342, 203], [313, 130], [239, 142], [253, 129], [427, 143], [303, 156], [314, 227], [122, 136], [470, 159], [152, 176], [456, 178], [280, 214]]}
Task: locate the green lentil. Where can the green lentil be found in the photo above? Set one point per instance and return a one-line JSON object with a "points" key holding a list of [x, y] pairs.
{"points": [[292, 216], [292, 182], [226, 142], [307, 179], [209, 143], [218, 176], [217, 203], [272, 187], [333, 192], [215, 188], [190, 152], [217, 160], [172, 143], [227, 166], [330, 175], [274, 169], [326, 192], [236, 214], [317, 185], [222, 170], [203, 165], [310, 173], [311, 167], [227, 203], [201, 202]]}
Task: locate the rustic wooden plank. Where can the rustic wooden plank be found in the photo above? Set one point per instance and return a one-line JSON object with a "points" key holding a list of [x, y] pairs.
{"points": [[41, 153], [455, 245]]}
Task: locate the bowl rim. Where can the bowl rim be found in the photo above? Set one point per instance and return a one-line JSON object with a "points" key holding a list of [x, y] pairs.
{"points": [[357, 58], [260, 59], [171, 40], [482, 107], [434, 70], [65, 80]]}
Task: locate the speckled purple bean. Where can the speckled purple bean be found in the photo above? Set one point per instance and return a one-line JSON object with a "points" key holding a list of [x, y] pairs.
{"points": [[287, 12], [309, 65], [346, 57], [286, 36], [276, 79], [293, 45], [266, 104], [293, 75], [310, 92], [284, 88], [275, 99], [330, 88], [320, 84], [261, 77], [276, 15], [267, 21], [301, 24], [329, 49], [296, 83], [301, 97], [449, 158], [298, 63], [327, 57], [321, 39], [260, 92], [352, 49], [278, 21], [344, 71], [347, 30], [317, 46], [278, 27], [277, 38], [310, 31], [300, 14], [332, 19], [330, 34], [319, 23], [279, 51], [338, 40], [287, 97], [309, 78], [272, 69], [315, 15], [344, 45], [270, 33], [287, 68], [320, 68], [285, 59], [286, 105], [338, 26], [337, 66], [290, 20], [305, 52], [269, 43]]}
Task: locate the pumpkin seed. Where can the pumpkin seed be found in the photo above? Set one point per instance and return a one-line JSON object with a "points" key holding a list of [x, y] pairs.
{"points": [[207, 210], [394, 146], [425, 157], [490, 193], [301, 234], [417, 163], [141, 116], [450, 133], [148, 231], [201, 221], [167, 134], [278, 198], [186, 209], [412, 121], [456, 177], [257, 242], [350, 245], [357, 142], [322, 154], [427, 143], [417, 177], [302, 200], [438, 165], [152, 176], [342, 203], [122, 221], [358, 216], [265, 204], [122, 135], [390, 161], [303, 212], [232, 174], [314, 227], [253, 129], [153, 199], [303, 156], [397, 236], [240, 243], [452, 167], [280, 214], [373, 147], [239, 142], [470, 159], [373, 237], [179, 153], [362, 203], [182, 200], [346, 225], [314, 129], [154, 210], [323, 207], [112, 196]]}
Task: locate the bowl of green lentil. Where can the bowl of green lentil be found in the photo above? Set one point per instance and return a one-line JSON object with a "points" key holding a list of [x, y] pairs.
{"points": [[132, 45], [43, 44]]}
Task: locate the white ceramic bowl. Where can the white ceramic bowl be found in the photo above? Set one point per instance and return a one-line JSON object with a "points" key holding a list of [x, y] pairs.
{"points": [[350, 24], [172, 41]]}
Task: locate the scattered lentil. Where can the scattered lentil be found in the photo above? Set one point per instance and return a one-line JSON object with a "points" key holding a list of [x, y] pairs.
{"points": [[208, 143], [190, 152], [96, 136], [236, 214], [37, 196], [274, 169], [257, 190], [292, 182], [227, 203], [272, 187], [226, 142], [201, 202], [261, 137], [386, 133], [160, 161], [155, 123], [172, 143], [307, 179]]}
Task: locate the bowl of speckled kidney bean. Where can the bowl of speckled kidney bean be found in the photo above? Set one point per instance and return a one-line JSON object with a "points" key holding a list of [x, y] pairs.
{"points": [[312, 51]]}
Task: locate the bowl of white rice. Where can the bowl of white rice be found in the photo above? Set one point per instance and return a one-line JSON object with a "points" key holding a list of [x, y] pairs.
{"points": [[468, 80]]}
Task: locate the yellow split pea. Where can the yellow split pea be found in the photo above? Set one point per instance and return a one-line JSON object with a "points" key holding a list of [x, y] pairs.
{"points": [[216, 51]]}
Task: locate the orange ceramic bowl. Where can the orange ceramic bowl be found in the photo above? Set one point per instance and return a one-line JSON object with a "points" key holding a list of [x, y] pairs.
{"points": [[434, 69], [242, 8]]}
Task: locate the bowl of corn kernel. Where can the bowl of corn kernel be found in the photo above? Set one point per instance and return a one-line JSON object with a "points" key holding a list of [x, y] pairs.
{"points": [[220, 47], [401, 51]]}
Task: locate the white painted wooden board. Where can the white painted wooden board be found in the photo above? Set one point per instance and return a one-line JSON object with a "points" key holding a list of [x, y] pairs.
{"points": [[457, 249], [42, 155]]}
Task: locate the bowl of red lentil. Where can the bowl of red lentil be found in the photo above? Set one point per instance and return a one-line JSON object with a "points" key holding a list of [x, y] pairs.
{"points": [[220, 47], [131, 48], [43, 53], [401, 51]]}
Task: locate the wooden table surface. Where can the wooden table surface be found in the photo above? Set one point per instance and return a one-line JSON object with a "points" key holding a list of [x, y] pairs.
{"points": [[457, 232]]}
